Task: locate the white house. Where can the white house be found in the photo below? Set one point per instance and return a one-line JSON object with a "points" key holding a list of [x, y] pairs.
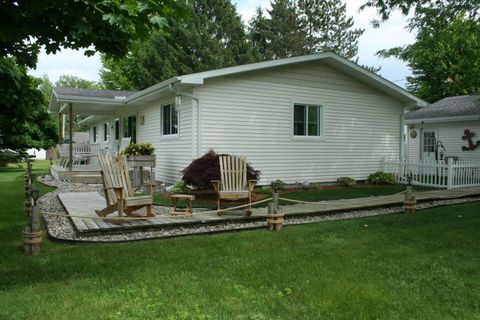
{"points": [[315, 117], [442, 127]]}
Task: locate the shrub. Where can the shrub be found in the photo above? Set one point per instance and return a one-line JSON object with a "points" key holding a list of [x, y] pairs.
{"points": [[266, 191], [278, 184], [203, 170], [381, 178], [9, 156], [179, 188], [138, 149], [317, 186], [346, 181]]}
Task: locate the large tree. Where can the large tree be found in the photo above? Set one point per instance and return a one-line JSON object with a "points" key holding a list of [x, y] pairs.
{"points": [[445, 57], [27, 25], [296, 27], [26, 122], [210, 36]]}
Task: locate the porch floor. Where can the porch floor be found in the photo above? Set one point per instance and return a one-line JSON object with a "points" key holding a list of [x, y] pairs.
{"points": [[82, 205]]}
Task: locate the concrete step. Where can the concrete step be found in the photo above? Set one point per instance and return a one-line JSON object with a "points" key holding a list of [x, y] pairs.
{"points": [[87, 178]]}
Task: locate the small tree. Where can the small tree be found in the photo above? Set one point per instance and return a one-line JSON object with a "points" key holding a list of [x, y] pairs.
{"points": [[203, 170]]}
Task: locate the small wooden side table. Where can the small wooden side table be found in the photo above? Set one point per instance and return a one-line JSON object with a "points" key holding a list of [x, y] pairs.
{"points": [[189, 198]]}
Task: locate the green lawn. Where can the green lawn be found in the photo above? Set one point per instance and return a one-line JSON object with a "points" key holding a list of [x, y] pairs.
{"points": [[309, 195], [423, 266]]}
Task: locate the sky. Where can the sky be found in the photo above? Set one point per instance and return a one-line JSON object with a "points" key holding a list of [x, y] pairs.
{"points": [[390, 34]]}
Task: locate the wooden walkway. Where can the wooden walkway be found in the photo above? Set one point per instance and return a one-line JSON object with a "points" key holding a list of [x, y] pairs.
{"points": [[82, 205]]}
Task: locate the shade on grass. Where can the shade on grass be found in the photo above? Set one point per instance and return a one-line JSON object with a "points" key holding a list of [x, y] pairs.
{"points": [[423, 266]]}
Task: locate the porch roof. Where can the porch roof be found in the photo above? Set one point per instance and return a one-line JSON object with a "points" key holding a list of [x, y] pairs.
{"points": [[86, 101], [457, 108]]}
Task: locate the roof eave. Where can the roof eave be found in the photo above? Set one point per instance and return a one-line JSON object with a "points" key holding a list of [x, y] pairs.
{"points": [[442, 119], [384, 85]]}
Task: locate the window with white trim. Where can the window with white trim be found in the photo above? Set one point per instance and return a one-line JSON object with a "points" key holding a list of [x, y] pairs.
{"points": [[94, 134], [169, 119], [105, 132], [307, 120]]}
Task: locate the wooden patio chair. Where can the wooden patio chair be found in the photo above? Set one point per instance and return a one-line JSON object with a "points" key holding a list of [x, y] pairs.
{"points": [[118, 189], [233, 184]]}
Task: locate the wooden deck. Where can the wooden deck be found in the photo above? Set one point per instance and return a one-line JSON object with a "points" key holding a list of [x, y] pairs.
{"points": [[83, 204]]}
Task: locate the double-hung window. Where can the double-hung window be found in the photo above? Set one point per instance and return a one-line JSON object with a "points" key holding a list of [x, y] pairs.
{"points": [[130, 128], [105, 132], [307, 120], [169, 119]]}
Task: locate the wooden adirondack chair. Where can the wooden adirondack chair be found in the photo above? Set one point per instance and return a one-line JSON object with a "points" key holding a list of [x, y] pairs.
{"points": [[233, 184], [118, 189]]}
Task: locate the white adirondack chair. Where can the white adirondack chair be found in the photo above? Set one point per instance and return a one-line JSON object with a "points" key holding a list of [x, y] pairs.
{"points": [[119, 194], [233, 184]]}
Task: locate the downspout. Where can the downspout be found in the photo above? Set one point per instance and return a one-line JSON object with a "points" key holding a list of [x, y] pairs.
{"points": [[402, 143], [197, 100]]}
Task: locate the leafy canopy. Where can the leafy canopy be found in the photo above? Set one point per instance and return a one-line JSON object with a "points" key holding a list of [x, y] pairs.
{"points": [[24, 120], [210, 36], [297, 27], [108, 26], [445, 58]]}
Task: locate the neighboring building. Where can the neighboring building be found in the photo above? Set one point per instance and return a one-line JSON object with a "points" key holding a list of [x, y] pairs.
{"points": [[314, 117], [444, 123]]}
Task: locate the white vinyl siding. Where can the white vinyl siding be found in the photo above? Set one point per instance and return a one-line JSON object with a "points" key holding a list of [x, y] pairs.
{"points": [[251, 115], [450, 134], [174, 152]]}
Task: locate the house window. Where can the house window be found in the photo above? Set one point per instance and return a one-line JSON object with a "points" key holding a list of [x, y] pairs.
{"points": [[130, 128], [307, 120], [117, 129], [169, 119], [94, 134], [105, 131], [428, 141]]}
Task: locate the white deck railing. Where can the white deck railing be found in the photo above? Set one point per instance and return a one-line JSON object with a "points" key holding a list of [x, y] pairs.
{"points": [[453, 174], [80, 149]]}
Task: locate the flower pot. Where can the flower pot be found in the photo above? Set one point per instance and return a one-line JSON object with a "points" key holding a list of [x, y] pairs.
{"points": [[141, 161]]}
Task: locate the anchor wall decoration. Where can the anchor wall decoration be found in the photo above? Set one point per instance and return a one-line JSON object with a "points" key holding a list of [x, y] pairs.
{"points": [[468, 135]]}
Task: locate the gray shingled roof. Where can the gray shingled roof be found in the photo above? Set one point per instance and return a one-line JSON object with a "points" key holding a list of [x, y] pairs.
{"points": [[467, 105], [108, 94]]}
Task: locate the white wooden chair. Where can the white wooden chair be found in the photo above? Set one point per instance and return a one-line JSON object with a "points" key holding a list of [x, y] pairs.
{"points": [[119, 194], [233, 184]]}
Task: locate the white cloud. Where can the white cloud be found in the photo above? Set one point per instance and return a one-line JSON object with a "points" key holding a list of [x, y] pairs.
{"points": [[390, 34], [68, 61]]}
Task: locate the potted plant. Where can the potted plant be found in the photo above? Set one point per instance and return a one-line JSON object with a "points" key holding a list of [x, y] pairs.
{"points": [[139, 155]]}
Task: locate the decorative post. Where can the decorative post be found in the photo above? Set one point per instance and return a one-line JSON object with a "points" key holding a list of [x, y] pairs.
{"points": [[274, 216], [410, 202], [32, 235], [450, 173]]}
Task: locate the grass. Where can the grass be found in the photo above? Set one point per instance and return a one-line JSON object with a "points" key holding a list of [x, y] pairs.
{"points": [[423, 266], [306, 195]]}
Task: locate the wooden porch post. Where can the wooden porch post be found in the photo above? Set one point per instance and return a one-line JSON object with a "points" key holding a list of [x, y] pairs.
{"points": [[70, 136], [60, 127]]}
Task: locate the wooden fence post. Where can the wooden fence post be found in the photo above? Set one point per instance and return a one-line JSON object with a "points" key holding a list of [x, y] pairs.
{"points": [[274, 216], [410, 202], [32, 235]]}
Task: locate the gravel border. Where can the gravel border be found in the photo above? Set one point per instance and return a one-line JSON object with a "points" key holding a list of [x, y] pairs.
{"points": [[62, 229]]}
